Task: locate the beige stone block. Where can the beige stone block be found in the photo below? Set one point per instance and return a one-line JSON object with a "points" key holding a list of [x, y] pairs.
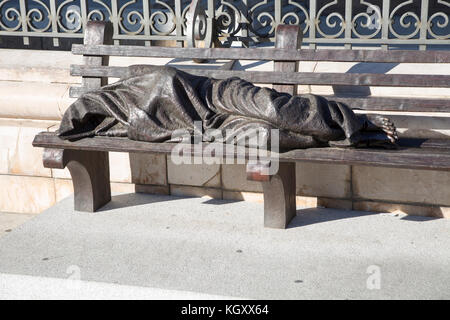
{"points": [[63, 188], [25, 159], [148, 168], [323, 180], [15, 58], [243, 196], [402, 185], [334, 203], [9, 135], [119, 167], [416, 210], [191, 191], [117, 187], [37, 74], [305, 202], [61, 173], [444, 211], [33, 100], [314, 202], [202, 175], [26, 194], [65, 103], [4, 160], [17, 155], [234, 177], [145, 188]]}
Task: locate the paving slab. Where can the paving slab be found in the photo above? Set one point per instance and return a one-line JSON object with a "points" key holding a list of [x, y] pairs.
{"points": [[9, 221], [220, 248]]}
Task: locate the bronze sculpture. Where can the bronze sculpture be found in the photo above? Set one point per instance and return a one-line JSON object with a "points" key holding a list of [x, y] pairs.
{"points": [[154, 101]]}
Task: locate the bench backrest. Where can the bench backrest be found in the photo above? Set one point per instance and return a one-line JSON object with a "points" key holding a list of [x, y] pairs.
{"points": [[285, 77]]}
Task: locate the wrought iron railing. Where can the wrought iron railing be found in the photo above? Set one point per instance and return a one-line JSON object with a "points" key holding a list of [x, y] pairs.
{"points": [[338, 22], [132, 19], [345, 22]]}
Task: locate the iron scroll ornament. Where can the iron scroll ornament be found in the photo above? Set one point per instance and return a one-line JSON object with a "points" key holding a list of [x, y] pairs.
{"points": [[199, 26]]}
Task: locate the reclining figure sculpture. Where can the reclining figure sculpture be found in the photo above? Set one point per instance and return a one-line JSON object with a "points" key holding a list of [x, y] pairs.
{"points": [[152, 102]]}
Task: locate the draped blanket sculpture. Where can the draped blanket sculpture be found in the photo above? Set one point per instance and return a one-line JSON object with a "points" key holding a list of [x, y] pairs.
{"points": [[155, 101]]}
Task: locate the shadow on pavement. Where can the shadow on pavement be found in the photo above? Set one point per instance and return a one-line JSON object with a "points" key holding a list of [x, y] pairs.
{"points": [[134, 199], [309, 216]]}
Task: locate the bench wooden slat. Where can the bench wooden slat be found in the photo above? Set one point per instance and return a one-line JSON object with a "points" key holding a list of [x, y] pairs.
{"points": [[443, 144], [412, 158], [394, 104], [338, 55], [301, 78], [366, 103]]}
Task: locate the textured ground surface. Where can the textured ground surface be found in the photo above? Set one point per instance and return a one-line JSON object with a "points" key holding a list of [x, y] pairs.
{"points": [[220, 248], [9, 221]]}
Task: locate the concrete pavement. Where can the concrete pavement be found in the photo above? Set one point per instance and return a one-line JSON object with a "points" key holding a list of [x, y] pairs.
{"points": [[220, 248], [9, 221]]}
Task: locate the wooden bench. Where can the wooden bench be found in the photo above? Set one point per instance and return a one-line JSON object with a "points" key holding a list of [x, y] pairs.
{"points": [[87, 159]]}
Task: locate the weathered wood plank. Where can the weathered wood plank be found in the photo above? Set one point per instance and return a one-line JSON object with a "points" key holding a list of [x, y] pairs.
{"points": [[410, 158], [96, 33], [443, 144], [366, 103], [287, 38], [427, 158], [338, 55], [284, 77], [394, 104]]}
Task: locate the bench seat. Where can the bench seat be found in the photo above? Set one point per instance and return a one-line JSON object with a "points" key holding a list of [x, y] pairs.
{"points": [[412, 153], [88, 159]]}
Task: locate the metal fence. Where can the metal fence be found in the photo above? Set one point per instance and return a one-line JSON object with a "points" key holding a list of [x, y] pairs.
{"points": [[348, 23], [344, 22], [132, 19]]}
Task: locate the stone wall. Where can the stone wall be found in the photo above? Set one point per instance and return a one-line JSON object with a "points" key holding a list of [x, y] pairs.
{"points": [[34, 94]]}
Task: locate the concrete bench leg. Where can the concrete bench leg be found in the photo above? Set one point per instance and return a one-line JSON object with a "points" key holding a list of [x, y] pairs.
{"points": [[90, 175], [279, 192]]}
